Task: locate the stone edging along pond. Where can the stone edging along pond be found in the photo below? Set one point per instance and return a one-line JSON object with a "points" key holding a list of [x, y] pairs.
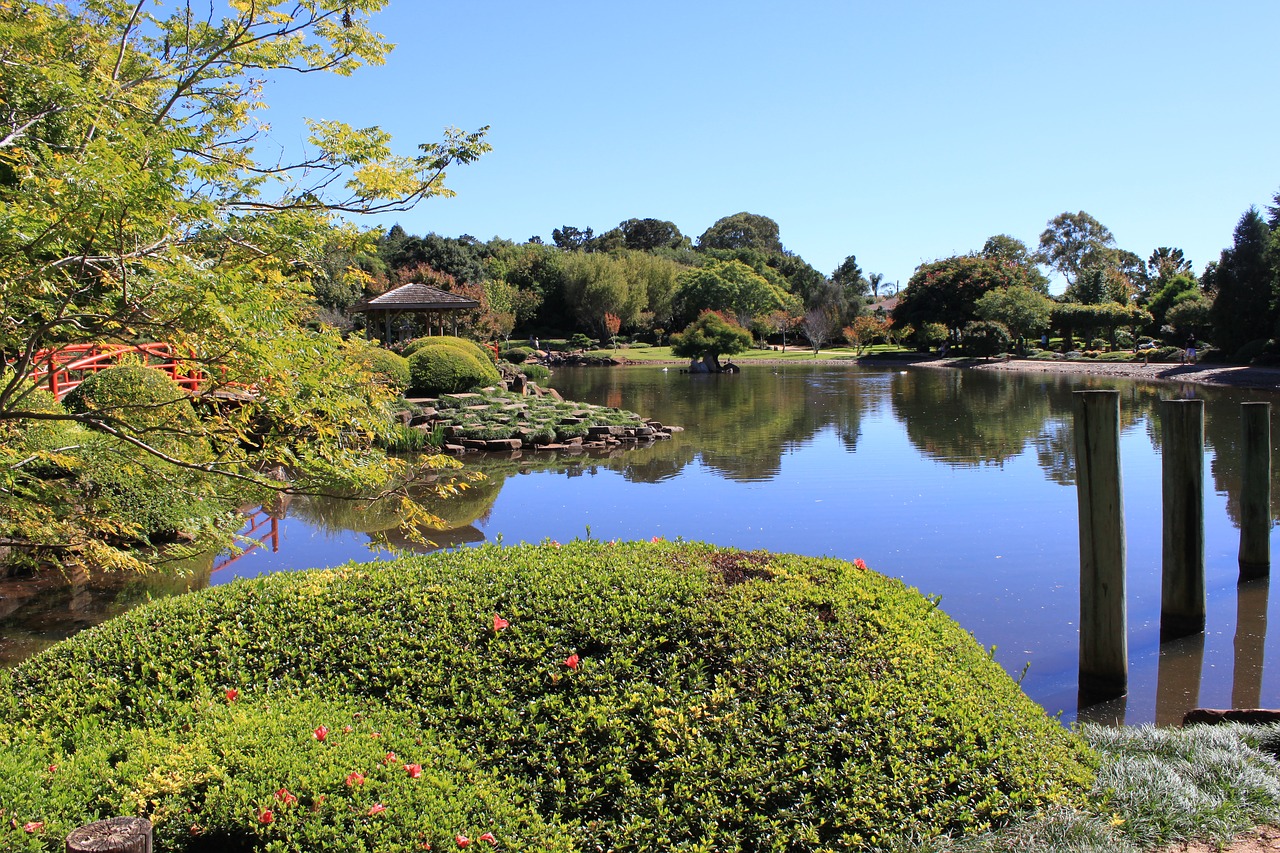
{"points": [[529, 418]]}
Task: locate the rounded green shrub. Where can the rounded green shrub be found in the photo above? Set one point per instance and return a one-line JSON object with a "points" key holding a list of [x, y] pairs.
{"points": [[448, 370], [470, 347], [145, 495], [517, 355], [392, 369], [536, 372], [636, 696]]}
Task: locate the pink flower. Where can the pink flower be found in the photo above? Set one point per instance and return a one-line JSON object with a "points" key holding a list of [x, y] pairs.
{"points": [[414, 770], [859, 565], [33, 826], [557, 545], [354, 778], [321, 732], [232, 694], [285, 798], [572, 661], [462, 840], [266, 816], [390, 759], [499, 623], [656, 539], [376, 808], [488, 836], [375, 735]]}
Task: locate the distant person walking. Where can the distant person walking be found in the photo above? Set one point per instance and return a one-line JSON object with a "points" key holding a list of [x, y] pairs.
{"points": [[1190, 356]]}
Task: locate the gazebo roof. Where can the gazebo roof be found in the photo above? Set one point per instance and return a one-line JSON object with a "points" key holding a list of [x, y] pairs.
{"points": [[417, 297]]}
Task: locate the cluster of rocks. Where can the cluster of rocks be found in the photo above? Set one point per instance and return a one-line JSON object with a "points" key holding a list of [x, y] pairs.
{"points": [[577, 359], [459, 437]]}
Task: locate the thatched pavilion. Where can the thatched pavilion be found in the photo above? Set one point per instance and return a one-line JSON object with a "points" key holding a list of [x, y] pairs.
{"points": [[417, 299]]}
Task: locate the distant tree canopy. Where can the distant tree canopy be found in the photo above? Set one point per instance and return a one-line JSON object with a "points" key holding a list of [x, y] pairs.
{"points": [[742, 231], [1245, 281], [1073, 242], [731, 287], [947, 291]]}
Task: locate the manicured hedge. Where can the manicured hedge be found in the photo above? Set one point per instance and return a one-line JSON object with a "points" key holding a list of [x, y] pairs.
{"points": [[391, 368], [449, 370], [631, 696], [470, 347]]}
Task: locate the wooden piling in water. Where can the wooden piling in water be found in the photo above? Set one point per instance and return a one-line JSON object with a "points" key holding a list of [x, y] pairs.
{"points": [[1255, 491], [1104, 640], [1182, 593]]}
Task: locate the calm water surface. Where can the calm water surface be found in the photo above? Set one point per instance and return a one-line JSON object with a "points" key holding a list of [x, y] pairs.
{"points": [[959, 483]]}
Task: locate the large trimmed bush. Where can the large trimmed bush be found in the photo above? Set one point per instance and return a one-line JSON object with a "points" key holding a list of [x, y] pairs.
{"points": [[470, 347], [144, 496], [391, 368], [449, 370], [637, 696]]}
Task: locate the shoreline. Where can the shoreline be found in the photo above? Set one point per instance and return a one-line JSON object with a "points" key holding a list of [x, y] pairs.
{"points": [[1219, 375]]}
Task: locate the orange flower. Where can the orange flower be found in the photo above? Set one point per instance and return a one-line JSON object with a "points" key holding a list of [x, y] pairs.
{"points": [[488, 836], [33, 826], [499, 623], [354, 778], [285, 798], [572, 661], [376, 808]]}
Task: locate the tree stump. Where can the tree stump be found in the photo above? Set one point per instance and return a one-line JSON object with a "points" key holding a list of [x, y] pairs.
{"points": [[115, 835]]}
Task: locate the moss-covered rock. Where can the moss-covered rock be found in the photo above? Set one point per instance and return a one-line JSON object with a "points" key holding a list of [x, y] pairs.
{"points": [[636, 696]]}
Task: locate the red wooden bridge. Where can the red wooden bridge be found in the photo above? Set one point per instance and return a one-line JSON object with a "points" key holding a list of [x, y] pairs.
{"points": [[64, 368]]}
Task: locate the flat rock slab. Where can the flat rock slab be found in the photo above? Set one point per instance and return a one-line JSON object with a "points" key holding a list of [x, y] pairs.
{"points": [[1212, 716]]}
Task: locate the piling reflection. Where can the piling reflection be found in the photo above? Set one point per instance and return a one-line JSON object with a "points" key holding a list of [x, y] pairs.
{"points": [[1250, 643], [1178, 678]]}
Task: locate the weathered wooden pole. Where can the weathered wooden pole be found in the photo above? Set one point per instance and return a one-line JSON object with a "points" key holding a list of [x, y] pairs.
{"points": [[115, 835], [1104, 632], [1182, 595], [1255, 491]]}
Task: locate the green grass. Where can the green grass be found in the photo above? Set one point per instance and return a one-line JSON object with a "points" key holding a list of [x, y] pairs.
{"points": [[1154, 787]]}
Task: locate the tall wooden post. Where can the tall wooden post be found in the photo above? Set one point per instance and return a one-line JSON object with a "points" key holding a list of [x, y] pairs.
{"points": [[1255, 491], [1104, 640], [114, 835], [1182, 599]]}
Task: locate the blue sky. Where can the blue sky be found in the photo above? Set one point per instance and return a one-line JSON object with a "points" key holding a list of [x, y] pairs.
{"points": [[899, 132]]}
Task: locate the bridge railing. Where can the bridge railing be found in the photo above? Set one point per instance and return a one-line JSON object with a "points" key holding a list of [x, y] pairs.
{"points": [[64, 368]]}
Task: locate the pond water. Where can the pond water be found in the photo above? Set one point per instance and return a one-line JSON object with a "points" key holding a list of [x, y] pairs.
{"points": [[958, 482]]}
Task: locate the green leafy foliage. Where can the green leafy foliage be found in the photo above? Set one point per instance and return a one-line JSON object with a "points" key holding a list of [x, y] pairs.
{"points": [[449, 369], [710, 336], [642, 696]]}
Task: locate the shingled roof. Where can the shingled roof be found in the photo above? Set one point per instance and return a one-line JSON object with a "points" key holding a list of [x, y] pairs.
{"points": [[417, 297]]}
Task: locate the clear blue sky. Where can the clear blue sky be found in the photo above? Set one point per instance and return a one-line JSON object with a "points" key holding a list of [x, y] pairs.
{"points": [[899, 131]]}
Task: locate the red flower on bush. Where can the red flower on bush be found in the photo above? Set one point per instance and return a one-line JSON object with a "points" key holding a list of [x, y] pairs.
{"points": [[232, 694], [355, 777], [859, 565], [656, 539], [321, 732], [488, 836], [33, 826], [285, 798], [462, 840], [390, 759], [348, 729], [376, 808], [266, 816], [414, 770], [53, 768], [499, 623], [572, 661]]}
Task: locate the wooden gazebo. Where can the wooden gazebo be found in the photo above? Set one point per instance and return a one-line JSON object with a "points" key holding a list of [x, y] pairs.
{"points": [[417, 299]]}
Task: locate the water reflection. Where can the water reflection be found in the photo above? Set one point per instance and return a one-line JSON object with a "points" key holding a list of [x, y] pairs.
{"points": [[960, 483]]}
